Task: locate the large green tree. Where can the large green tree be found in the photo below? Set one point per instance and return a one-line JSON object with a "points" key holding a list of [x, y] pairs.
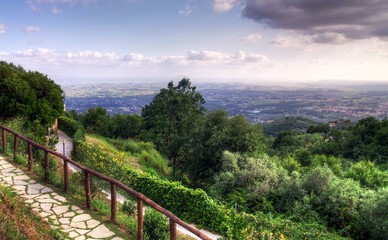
{"points": [[28, 94], [171, 120], [219, 133]]}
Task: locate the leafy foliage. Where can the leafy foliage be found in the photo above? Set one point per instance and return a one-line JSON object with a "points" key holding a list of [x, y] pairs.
{"points": [[155, 225], [28, 94], [296, 185], [171, 119]]}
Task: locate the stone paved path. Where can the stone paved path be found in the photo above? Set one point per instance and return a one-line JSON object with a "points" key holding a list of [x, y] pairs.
{"points": [[52, 207]]}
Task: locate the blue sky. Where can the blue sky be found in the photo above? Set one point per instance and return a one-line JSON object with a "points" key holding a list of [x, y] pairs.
{"points": [[242, 40]]}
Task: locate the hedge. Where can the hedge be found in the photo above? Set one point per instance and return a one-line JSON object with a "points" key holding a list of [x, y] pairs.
{"points": [[195, 206]]}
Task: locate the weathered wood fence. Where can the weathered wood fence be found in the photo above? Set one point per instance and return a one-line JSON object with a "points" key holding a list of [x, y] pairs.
{"points": [[173, 220]]}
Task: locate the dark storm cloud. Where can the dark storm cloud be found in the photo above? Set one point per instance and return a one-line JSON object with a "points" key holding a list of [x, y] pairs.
{"points": [[326, 20]]}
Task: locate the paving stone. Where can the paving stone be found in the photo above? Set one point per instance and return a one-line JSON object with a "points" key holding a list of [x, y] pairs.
{"points": [[30, 196], [75, 208], [60, 198], [20, 182], [44, 214], [8, 174], [46, 206], [37, 186], [23, 177], [71, 229], [38, 210], [47, 200], [67, 227], [19, 188], [52, 207], [92, 223], [7, 165], [81, 218], [82, 232], [60, 209], [69, 214], [32, 191], [46, 190], [35, 205], [64, 220], [73, 234], [100, 232], [78, 225]]}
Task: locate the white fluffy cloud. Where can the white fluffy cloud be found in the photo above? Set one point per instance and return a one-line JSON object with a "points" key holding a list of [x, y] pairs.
{"points": [[133, 57], [220, 6], [254, 37], [226, 58], [32, 29], [35, 5], [2, 28], [186, 11]]}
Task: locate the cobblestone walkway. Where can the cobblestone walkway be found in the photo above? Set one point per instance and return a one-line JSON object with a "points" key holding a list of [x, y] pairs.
{"points": [[52, 207]]}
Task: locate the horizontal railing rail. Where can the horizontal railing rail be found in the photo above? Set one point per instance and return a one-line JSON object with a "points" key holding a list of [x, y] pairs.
{"points": [[173, 220]]}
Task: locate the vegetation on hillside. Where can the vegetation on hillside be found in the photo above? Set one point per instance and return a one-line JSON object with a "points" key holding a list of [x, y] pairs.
{"points": [[323, 182], [18, 222], [29, 95], [294, 176]]}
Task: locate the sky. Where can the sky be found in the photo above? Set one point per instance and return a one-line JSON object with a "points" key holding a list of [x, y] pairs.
{"points": [[237, 40]]}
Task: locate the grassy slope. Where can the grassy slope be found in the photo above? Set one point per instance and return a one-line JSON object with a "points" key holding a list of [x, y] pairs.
{"points": [[139, 155], [18, 222]]}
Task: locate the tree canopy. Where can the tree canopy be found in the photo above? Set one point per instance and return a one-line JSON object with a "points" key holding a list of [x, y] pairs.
{"points": [[28, 94], [171, 119]]}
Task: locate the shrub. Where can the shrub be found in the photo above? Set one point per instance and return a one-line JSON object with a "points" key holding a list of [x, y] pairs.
{"points": [[71, 127], [155, 225], [368, 175]]}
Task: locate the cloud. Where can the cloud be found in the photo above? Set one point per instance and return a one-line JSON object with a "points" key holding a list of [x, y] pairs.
{"points": [[133, 57], [93, 56], [221, 6], [207, 56], [2, 28], [226, 58], [319, 62], [255, 37], [35, 5], [326, 21], [55, 10], [186, 11], [32, 29]]}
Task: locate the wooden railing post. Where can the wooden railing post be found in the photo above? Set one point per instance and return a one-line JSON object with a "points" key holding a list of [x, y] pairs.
{"points": [[4, 139], [139, 219], [29, 157], [46, 166], [172, 230], [66, 174], [15, 147], [113, 202], [88, 193]]}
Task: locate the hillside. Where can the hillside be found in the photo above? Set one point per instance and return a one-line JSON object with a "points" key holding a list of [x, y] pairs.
{"points": [[18, 222], [298, 124]]}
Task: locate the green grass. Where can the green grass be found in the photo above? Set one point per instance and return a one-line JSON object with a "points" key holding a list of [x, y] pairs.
{"points": [[17, 221], [142, 155]]}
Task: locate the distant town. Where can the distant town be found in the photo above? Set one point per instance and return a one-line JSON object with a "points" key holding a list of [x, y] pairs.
{"points": [[323, 102]]}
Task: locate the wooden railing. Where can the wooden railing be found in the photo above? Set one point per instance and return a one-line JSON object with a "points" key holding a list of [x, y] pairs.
{"points": [[173, 220]]}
